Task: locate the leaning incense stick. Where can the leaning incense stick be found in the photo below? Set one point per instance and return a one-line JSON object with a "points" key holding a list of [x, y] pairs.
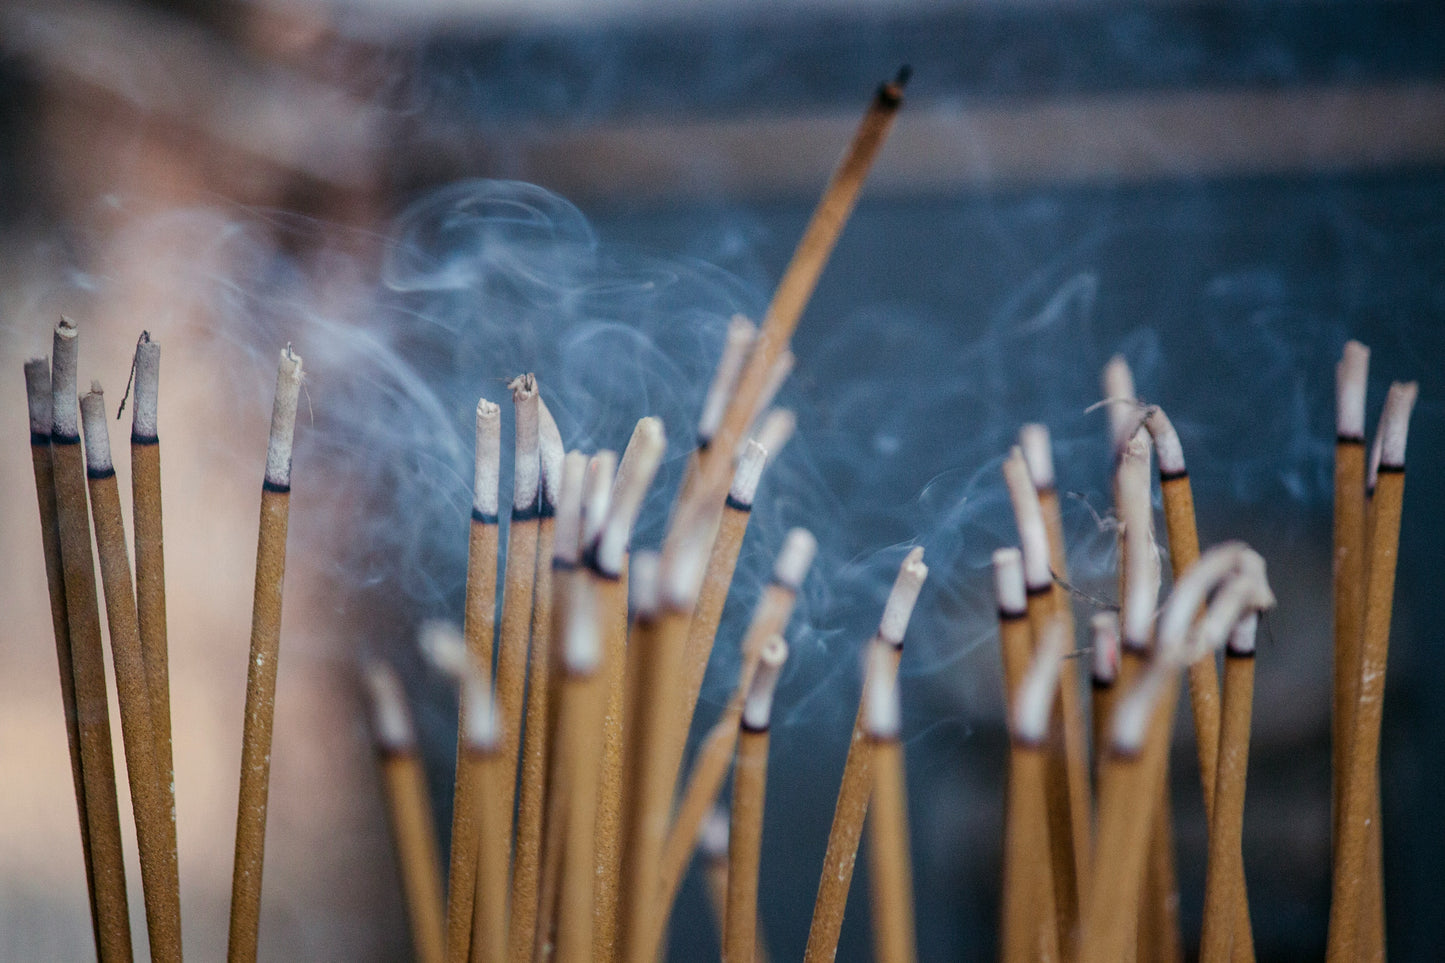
{"points": [[745, 832], [889, 864], [477, 629], [404, 783], [87, 659], [38, 393], [150, 801], [261, 668], [1015, 640], [1038, 456], [1104, 674], [796, 286], [739, 340], [709, 769], [1029, 930], [1224, 875], [150, 568], [773, 431], [853, 793], [712, 845], [1068, 870], [1360, 788], [526, 866], [1351, 377]]}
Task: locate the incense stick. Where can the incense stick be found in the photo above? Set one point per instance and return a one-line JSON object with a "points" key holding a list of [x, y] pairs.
{"points": [[889, 864], [745, 832], [150, 801], [38, 393], [856, 786], [261, 668], [1104, 674], [404, 783], [1358, 808], [87, 659], [479, 616], [1015, 639], [150, 570], [739, 340], [712, 845]]}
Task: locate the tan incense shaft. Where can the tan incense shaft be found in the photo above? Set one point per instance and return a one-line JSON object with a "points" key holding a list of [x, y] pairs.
{"points": [[526, 868], [1015, 638], [890, 868], [404, 785], [712, 844], [1358, 805], [1103, 679], [87, 658], [852, 805], [150, 800], [38, 391], [261, 668]]}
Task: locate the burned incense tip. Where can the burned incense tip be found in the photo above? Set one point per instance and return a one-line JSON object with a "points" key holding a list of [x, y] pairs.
{"points": [[1122, 404], [712, 838], [645, 585], [98, 463], [1395, 423], [596, 497], [1166, 443], [64, 413], [147, 390], [1242, 636], [550, 454], [37, 395], [1205, 582], [1033, 536], [1136, 516], [747, 475], [443, 646], [527, 469], [1130, 724], [683, 570], [634, 477], [1035, 697], [799, 549], [1352, 375], [882, 714], [1008, 582], [740, 335], [487, 480], [582, 643], [775, 430], [1038, 455], [899, 608], [567, 537], [890, 94], [1104, 631], [758, 708], [446, 649], [283, 421], [389, 716]]}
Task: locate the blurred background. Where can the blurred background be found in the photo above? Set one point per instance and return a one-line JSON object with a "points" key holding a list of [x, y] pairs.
{"points": [[430, 197]]}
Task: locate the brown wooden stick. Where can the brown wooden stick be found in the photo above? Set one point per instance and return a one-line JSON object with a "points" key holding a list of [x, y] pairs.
{"points": [[889, 862], [712, 845], [87, 657], [150, 801], [1358, 809], [38, 391], [404, 783], [1103, 678], [261, 669], [856, 786], [1224, 877], [1015, 639], [745, 832], [150, 571], [477, 628]]}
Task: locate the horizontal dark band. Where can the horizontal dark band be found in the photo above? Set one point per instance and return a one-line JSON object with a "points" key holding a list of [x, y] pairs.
{"points": [[736, 505], [1350, 440], [1099, 683], [1134, 648], [39, 439], [269, 486], [1169, 476], [546, 510], [563, 565], [1390, 469], [144, 440], [99, 473], [483, 518], [524, 514], [590, 560], [1230, 653], [1005, 615], [1037, 590], [388, 753], [703, 443], [746, 726], [59, 439]]}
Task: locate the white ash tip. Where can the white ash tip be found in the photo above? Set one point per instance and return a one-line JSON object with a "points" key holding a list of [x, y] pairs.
{"points": [[644, 584], [567, 536], [634, 477], [712, 838], [791, 567], [684, 569], [582, 645], [66, 328], [1035, 697], [882, 713], [1104, 628], [1038, 455], [1008, 582], [487, 479], [775, 429], [37, 394], [523, 387], [1352, 375], [1029, 516], [758, 709], [1122, 401], [283, 419], [1191, 591], [1166, 442], [1242, 636], [1395, 423], [740, 335], [597, 496], [389, 714], [527, 466], [898, 610], [147, 387], [747, 475], [1130, 725], [443, 646], [97, 431], [550, 453], [64, 386]]}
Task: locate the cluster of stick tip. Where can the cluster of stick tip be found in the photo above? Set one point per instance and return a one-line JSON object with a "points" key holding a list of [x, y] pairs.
{"points": [[1089, 870]]}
